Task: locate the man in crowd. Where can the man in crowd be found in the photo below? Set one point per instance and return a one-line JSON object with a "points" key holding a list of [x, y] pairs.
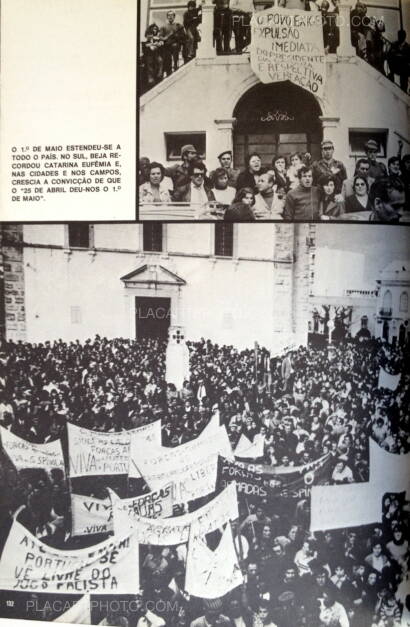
{"points": [[196, 192], [398, 59], [265, 207], [225, 160], [222, 26], [179, 173], [328, 166], [387, 199], [303, 203], [362, 169], [377, 168], [173, 35]]}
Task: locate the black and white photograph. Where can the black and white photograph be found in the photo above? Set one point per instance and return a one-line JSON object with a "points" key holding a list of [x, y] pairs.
{"points": [[272, 358], [288, 110]]}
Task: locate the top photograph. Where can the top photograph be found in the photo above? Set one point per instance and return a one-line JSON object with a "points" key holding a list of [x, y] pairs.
{"points": [[289, 110]]}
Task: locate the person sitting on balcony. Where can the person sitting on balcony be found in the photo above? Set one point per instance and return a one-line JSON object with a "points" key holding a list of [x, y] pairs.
{"points": [[362, 169], [222, 26], [359, 200], [221, 189], [241, 208], [197, 191], [249, 176], [157, 188], [398, 59], [241, 19], [387, 200], [152, 49], [377, 169], [192, 19], [303, 203], [225, 160], [327, 166], [179, 173], [173, 35]]}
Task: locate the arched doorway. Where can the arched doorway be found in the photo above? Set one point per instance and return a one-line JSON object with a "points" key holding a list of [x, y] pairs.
{"points": [[279, 118]]}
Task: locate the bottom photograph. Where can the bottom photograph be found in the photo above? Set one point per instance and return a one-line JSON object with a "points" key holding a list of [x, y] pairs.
{"points": [[205, 425]]}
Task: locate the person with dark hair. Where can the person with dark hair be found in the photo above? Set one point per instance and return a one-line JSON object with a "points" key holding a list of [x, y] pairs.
{"points": [[398, 59], [225, 161], [223, 192], [155, 189], [303, 203], [249, 176], [377, 168], [332, 613], [191, 20], [361, 169], [143, 170], [152, 50], [329, 206], [331, 35], [173, 36], [197, 191], [405, 174], [212, 615], [296, 162], [222, 26], [241, 208], [279, 171], [387, 200], [266, 207], [241, 19], [359, 200], [327, 166], [393, 166], [179, 173]]}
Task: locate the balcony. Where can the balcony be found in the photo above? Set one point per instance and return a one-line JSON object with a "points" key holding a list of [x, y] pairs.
{"points": [[385, 313]]}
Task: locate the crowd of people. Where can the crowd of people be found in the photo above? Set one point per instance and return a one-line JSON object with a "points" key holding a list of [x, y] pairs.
{"points": [[168, 45], [304, 405], [293, 188]]}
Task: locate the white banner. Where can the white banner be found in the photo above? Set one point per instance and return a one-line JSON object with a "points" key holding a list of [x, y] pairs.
{"points": [[156, 504], [287, 45], [79, 613], [167, 531], [90, 515], [212, 574], [24, 454], [96, 453], [30, 565], [249, 450], [389, 381]]}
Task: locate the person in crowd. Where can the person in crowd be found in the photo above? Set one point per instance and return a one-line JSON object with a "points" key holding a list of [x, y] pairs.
{"points": [[173, 36], [153, 55], [225, 161], [296, 162], [328, 166], [197, 192], [332, 612], [375, 43], [398, 59], [393, 167], [358, 24], [266, 205], [249, 176], [331, 34], [222, 191], [191, 21], [405, 175], [222, 26], [303, 203], [143, 170], [156, 189], [279, 172], [241, 208], [329, 206], [179, 172], [387, 200], [377, 168], [361, 169], [213, 615], [359, 200], [241, 20]]}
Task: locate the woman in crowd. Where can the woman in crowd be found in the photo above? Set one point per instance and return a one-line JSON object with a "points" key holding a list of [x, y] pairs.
{"points": [[158, 187], [152, 51], [296, 162], [248, 177], [241, 208], [279, 171], [329, 207], [359, 200], [224, 193]]}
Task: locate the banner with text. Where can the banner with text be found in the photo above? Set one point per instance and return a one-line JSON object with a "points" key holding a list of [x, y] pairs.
{"points": [[90, 515], [167, 531], [388, 381], [25, 454], [156, 504], [30, 565], [287, 45]]}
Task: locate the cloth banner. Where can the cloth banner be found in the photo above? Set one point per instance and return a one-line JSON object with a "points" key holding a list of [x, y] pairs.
{"points": [[176, 361], [389, 381], [250, 450], [79, 613], [212, 574], [156, 504], [30, 565], [25, 454], [90, 515], [261, 481], [167, 531], [96, 453], [287, 45]]}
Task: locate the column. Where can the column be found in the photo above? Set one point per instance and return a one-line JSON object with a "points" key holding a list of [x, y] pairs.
{"points": [[206, 48], [345, 48], [223, 137]]}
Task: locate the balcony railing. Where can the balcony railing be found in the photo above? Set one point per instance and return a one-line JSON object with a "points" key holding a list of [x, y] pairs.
{"points": [[180, 211], [385, 313]]}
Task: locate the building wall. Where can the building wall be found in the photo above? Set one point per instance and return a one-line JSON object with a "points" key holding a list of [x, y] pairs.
{"points": [[13, 304], [397, 317]]}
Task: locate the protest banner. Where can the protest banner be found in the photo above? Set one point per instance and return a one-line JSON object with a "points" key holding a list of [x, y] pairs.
{"points": [[90, 515], [25, 454], [249, 450], [167, 531], [140, 437], [387, 380], [29, 565], [96, 453], [156, 504], [212, 574], [287, 45], [79, 613]]}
